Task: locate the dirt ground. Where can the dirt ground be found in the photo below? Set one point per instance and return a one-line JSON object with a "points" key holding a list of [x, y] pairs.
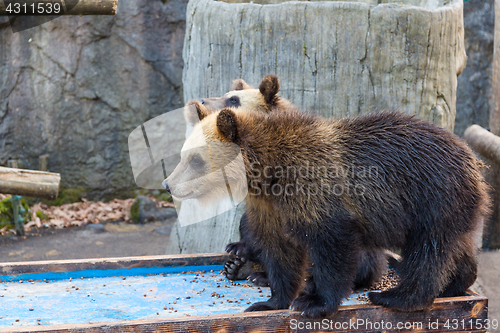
{"points": [[91, 241], [124, 239]]}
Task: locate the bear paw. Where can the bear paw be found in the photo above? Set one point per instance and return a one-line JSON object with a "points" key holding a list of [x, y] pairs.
{"points": [[396, 300], [237, 248], [312, 306], [262, 306], [233, 269], [259, 279]]}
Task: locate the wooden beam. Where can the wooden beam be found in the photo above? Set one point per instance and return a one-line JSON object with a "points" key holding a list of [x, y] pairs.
{"points": [[30, 267], [67, 7], [468, 311], [30, 183]]}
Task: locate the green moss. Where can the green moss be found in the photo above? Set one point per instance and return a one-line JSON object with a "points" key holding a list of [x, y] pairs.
{"points": [[165, 197], [66, 196], [134, 211], [305, 49], [41, 215], [6, 212]]}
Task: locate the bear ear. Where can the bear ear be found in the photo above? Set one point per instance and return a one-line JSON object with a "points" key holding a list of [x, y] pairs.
{"points": [[194, 112], [239, 84], [269, 87], [226, 124]]}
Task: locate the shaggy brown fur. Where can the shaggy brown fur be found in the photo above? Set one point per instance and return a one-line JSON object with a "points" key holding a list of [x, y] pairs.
{"points": [[266, 99], [424, 196]]}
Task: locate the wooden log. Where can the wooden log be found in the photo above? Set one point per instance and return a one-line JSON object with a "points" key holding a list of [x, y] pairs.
{"points": [[484, 142], [30, 183], [334, 58], [68, 7]]}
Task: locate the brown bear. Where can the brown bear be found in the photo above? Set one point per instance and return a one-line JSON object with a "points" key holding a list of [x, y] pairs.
{"points": [[246, 263], [321, 191]]}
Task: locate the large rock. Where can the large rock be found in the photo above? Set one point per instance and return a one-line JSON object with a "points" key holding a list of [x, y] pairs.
{"points": [[75, 87], [474, 84]]}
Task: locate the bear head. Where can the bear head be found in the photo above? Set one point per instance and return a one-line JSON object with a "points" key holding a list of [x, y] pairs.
{"points": [[265, 99], [211, 162]]}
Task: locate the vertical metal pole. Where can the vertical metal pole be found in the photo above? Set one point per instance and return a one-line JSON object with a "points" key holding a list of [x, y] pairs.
{"points": [[18, 221]]}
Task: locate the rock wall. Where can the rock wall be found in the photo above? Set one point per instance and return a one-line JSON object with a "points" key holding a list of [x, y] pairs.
{"points": [[474, 84], [75, 87]]}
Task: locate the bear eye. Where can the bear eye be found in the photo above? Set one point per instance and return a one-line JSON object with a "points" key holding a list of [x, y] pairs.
{"points": [[233, 101], [197, 162]]}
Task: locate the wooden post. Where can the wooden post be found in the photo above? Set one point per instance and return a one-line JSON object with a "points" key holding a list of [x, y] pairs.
{"points": [[30, 183], [491, 238], [43, 162], [13, 164], [73, 7]]}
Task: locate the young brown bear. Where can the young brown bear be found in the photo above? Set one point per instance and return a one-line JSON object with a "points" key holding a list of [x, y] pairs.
{"points": [[265, 99], [311, 200]]}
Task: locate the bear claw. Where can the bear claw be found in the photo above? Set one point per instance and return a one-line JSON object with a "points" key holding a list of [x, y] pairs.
{"points": [[312, 306]]}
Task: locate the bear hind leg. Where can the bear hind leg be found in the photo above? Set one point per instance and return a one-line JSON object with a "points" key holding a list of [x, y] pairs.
{"points": [[372, 265], [425, 271], [463, 276]]}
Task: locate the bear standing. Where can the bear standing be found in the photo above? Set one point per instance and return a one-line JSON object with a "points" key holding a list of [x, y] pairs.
{"points": [[320, 192], [266, 99]]}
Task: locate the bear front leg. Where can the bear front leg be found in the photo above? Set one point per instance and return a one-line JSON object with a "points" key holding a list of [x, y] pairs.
{"points": [[284, 266], [333, 255], [247, 264]]}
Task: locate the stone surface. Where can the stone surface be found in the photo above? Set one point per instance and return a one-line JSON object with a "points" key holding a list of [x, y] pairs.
{"points": [[75, 87], [474, 84], [148, 212]]}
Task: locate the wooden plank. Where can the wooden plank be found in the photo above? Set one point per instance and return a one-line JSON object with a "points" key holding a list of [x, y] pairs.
{"points": [[30, 267], [464, 312], [30, 183], [367, 318], [80, 7]]}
